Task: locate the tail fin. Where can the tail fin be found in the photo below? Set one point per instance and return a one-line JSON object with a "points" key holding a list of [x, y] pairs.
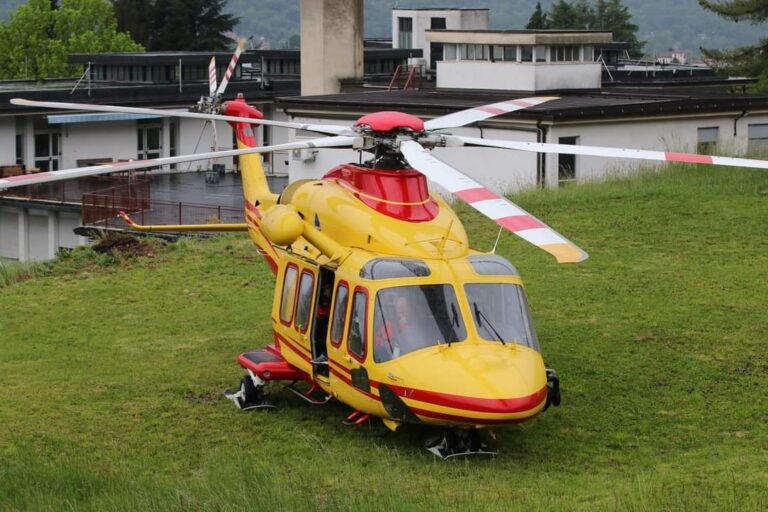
{"points": [[258, 197]]}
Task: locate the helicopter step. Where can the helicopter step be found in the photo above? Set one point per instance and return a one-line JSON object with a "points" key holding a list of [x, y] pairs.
{"points": [[459, 443], [307, 395], [268, 364]]}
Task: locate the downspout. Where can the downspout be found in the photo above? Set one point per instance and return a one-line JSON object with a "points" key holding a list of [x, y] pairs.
{"points": [[740, 116], [541, 161]]}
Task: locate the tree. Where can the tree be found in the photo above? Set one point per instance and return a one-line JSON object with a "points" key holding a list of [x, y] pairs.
{"points": [[165, 25], [36, 40], [538, 19], [745, 60], [562, 15]]}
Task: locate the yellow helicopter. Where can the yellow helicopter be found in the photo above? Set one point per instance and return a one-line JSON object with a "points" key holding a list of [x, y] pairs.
{"points": [[379, 301]]}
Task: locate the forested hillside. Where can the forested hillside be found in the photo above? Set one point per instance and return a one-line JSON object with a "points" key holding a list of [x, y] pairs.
{"points": [[663, 24]]}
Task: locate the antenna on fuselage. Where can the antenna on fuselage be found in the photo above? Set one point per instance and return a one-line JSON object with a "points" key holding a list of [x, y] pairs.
{"points": [[496, 244]]}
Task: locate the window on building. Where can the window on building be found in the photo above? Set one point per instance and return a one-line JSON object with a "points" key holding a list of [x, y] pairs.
{"points": [[306, 287], [757, 138], [19, 149], [540, 53], [173, 140], [449, 52], [289, 294], [526, 53], [474, 52], [47, 150], [564, 53], [588, 53], [356, 338], [405, 32], [566, 164], [707, 140], [437, 23], [150, 139]]}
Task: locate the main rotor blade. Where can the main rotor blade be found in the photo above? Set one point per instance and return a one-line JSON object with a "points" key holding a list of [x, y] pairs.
{"points": [[637, 154], [45, 177], [319, 128], [472, 115], [212, 77], [231, 67], [502, 211]]}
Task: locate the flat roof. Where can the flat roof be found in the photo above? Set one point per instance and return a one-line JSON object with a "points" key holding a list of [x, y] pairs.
{"points": [[439, 9], [520, 36], [570, 105]]}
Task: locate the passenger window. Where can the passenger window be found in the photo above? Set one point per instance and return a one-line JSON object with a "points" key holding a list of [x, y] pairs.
{"points": [[306, 286], [356, 337], [339, 314], [289, 294]]}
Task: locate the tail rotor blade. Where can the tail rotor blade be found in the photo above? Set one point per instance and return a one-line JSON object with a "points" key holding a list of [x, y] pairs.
{"points": [[502, 211], [212, 77], [231, 67], [472, 115]]}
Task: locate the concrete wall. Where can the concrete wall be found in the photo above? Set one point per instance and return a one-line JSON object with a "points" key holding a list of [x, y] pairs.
{"points": [[515, 76], [672, 134], [331, 44], [422, 21], [37, 234]]}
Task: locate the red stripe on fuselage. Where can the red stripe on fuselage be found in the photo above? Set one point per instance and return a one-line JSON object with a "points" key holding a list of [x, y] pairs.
{"points": [[490, 405], [464, 419], [687, 158], [473, 195]]}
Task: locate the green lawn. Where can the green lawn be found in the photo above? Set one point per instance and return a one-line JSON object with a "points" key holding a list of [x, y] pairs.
{"points": [[112, 370]]}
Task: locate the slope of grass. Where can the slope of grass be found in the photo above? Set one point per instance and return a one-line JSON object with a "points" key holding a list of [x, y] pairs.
{"points": [[112, 370]]}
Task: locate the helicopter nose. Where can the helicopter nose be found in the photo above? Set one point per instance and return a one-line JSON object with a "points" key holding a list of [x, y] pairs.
{"points": [[480, 385]]}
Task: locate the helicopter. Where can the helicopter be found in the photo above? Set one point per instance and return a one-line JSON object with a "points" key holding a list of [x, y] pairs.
{"points": [[379, 301]]}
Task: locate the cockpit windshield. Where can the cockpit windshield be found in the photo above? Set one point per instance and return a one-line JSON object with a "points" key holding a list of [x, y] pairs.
{"points": [[500, 312], [408, 318]]}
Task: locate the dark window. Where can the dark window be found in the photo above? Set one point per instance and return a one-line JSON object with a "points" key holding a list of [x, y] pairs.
{"points": [[405, 32], [339, 313], [437, 23], [409, 318], [306, 286], [566, 164], [387, 268], [707, 140], [757, 138], [501, 313], [356, 337], [491, 265], [289, 294]]}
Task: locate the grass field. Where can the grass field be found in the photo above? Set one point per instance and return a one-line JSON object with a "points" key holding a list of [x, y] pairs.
{"points": [[112, 372]]}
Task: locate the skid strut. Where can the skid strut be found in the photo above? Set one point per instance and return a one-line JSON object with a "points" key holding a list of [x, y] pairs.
{"points": [[459, 443]]}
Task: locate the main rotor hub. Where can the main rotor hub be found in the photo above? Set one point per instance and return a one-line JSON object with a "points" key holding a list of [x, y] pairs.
{"points": [[388, 121]]}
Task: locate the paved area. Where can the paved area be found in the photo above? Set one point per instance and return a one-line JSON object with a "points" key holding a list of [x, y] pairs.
{"points": [[192, 188]]}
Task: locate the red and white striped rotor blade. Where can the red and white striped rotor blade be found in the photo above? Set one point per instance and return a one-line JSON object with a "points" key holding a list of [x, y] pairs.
{"points": [[319, 128], [231, 67], [472, 115], [637, 154], [212, 77], [66, 174], [502, 211]]}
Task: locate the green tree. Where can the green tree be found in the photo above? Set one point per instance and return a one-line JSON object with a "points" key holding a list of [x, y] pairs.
{"points": [[36, 40], [538, 19], [562, 15], [612, 15], [749, 60], [166, 25]]}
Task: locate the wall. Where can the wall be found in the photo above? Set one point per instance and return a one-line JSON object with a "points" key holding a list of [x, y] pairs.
{"points": [[37, 234], [517, 76], [7, 141]]}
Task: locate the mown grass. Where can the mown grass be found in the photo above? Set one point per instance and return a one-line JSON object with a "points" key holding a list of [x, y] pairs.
{"points": [[111, 374]]}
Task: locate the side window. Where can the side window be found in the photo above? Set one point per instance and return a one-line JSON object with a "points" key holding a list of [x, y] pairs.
{"points": [[357, 334], [339, 313], [306, 286], [289, 294]]}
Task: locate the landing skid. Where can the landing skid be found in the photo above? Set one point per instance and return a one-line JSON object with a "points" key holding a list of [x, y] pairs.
{"points": [[459, 443], [307, 395]]}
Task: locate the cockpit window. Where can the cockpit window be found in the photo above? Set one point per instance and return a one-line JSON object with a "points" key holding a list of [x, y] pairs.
{"points": [[409, 318], [501, 313], [387, 268], [492, 265]]}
